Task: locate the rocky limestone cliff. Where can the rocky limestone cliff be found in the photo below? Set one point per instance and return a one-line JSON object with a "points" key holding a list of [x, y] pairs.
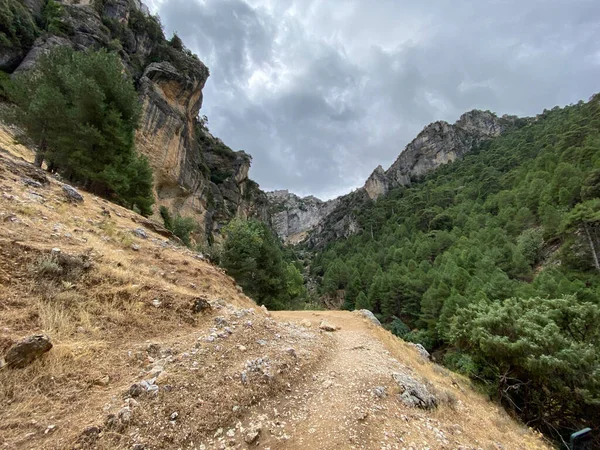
{"points": [[170, 103], [292, 217], [195, 174], [439, 143]]}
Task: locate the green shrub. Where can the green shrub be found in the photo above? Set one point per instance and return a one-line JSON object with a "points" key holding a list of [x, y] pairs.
{"points": [[219, 176], [183, 227], [166, 217], [541, 356], [398, 328], [54, 19]]}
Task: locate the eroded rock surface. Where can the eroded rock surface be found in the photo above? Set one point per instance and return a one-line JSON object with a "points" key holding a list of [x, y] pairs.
{"points": [[27, 350], [439, 143], [292, 217]]}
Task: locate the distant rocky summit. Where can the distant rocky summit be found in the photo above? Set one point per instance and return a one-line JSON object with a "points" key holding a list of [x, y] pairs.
{"points": [[439, 143]]}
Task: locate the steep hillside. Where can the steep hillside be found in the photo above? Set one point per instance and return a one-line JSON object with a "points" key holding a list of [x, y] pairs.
{"points": [[195, 174], [153, 348], [492, 263]]}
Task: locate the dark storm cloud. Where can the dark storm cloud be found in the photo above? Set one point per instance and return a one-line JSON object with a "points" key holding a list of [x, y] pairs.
{"points": [[320, 93]]}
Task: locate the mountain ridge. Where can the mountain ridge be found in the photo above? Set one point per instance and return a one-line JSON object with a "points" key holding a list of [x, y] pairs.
{"points": [[438, 143]]}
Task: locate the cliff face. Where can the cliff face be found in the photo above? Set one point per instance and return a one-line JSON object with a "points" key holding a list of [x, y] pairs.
{"points": [[195, 174], [170, 103], [292, 217], [439, 143]]}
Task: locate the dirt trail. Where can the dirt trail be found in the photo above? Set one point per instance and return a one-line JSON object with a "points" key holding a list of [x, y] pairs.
{"points": [[351, 400]]}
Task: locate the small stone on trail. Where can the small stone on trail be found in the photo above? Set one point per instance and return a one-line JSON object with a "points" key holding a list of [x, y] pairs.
{"points": [[174, 416], [306, 323], [135, 247], [326, 326], [251, 437], [380, 392]]}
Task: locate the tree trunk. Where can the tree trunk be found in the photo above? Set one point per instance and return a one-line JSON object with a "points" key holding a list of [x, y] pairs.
{"points": [[39, 155], [592, 246], [39, 159]]}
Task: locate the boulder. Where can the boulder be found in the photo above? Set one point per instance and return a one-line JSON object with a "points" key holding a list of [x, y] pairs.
{"points": [[141, 233], [156, 227], [370, 316], [422, 351], [72, 194], [27, 350], [414, 393]]}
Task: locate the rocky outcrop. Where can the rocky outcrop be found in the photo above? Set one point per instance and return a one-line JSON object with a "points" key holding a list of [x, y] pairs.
{"points": [[195, 174], [414, 393], [292, 217], [170, 103], [26, 351], [377, 183], [41, 46], [439, 143]]}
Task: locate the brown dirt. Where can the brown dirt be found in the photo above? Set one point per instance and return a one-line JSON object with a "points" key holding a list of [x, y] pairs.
{"points": [[127, 317], [337, 408]]}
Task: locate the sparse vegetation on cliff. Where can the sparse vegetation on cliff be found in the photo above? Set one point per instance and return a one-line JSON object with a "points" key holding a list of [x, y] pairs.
{"points": [[18, 28]]}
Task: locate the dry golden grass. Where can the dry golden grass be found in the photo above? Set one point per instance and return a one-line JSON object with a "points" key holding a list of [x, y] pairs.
{"points": [[102, 318], [477, 418], [94, 315]]}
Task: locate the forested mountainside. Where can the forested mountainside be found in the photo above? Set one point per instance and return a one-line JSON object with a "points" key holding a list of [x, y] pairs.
{"points": [[491, 262], [195, 175]]}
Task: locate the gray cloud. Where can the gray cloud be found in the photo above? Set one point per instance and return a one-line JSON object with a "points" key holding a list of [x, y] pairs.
{"points": [[320, 93]]}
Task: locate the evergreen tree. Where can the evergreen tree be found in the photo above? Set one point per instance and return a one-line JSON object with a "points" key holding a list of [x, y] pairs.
{"points": [[362, 302], [82, 113], [253, 256]]}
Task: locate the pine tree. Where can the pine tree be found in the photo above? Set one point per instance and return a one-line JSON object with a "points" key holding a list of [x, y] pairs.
{"points": [[82, 113], [362, 302]]}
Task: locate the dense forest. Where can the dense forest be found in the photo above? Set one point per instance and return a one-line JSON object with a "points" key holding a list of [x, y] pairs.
{"points": [[491, 262]]}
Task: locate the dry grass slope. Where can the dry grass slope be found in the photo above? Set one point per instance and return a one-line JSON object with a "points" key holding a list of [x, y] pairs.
{"points": [[119, 309]]}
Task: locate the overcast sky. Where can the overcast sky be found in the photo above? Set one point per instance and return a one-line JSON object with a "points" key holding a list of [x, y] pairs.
{"points": [[320, 92]]}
